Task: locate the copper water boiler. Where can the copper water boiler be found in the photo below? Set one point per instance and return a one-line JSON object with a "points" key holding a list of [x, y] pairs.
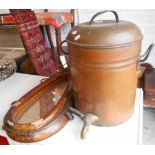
{"points": [[103, 61]]}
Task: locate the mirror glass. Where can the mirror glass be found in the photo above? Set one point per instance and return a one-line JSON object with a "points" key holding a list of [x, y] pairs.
{"points": [[42, 105]]}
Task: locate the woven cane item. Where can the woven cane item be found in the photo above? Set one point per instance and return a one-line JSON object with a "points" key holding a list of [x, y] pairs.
{"points": [[7, 68]]}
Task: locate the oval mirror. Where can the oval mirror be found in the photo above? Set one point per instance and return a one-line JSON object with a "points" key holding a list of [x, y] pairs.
{"points": [[30, 118], [42, 106]]}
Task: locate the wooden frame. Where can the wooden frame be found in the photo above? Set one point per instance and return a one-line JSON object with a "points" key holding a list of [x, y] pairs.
{"points": [[46, 126]]}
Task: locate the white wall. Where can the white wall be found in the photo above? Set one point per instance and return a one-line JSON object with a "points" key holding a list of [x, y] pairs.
{"points": [[145, 19]]}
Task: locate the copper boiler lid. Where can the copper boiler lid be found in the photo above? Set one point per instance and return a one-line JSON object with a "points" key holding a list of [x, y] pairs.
{"points": [[105, 33]]}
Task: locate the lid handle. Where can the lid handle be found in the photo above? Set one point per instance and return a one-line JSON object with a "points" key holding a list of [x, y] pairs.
{"points": [[105, 11]]}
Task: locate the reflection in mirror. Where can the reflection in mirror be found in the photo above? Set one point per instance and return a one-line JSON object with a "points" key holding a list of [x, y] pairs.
{"points": [[42, 106]]}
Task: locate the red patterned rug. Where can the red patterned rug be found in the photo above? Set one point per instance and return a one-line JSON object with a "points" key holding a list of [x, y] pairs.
{"points": [[3, 141], [34, 42]]}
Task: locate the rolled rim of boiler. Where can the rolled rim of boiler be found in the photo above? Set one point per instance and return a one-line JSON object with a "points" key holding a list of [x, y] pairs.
{"points": [[105, 46]]}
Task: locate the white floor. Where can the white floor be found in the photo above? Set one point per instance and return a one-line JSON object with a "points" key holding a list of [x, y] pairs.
{"points": [[149, 126]]}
